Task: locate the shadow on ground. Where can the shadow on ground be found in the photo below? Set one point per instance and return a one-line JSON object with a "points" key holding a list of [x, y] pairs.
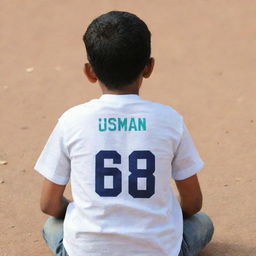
{"points": [[227, 249]]}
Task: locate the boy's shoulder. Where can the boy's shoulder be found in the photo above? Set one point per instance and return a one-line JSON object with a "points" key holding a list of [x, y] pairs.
{"points": [[162, 106], [165, 110], [78, 110]]}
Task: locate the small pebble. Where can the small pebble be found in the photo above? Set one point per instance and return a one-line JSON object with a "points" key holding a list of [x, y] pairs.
{"points": [[225, 185], [12, 226], [2, 181], [35, 241], [3, 162], [252, 121], [24, 128], [30, 69]]}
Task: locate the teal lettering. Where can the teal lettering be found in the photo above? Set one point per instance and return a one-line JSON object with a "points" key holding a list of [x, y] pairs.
{"points": [[142, 124], [112, 122], [122, 124], [132, 125], [100, 125]]}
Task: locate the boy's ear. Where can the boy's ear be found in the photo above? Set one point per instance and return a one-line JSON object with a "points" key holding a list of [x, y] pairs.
{"points": [[149, 68], [90, 73]]}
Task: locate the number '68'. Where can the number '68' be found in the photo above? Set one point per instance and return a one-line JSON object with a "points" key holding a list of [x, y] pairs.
{"points": [[102, 171]]}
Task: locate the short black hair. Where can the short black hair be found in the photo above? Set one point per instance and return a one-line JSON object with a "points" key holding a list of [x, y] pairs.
{"points": [[118, 46]]}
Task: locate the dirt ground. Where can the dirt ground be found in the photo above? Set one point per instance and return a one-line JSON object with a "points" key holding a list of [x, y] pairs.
{"points": [[205, 53]]}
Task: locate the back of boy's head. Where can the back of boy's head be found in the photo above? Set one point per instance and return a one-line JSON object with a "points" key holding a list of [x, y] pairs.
{"points": [[118, 46]]}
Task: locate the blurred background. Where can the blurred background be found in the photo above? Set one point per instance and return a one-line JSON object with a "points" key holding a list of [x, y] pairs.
{"points": [[205, 53]]}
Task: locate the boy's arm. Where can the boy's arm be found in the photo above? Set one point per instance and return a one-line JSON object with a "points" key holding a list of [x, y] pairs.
{"points": [[190, 195], [52, 201]]}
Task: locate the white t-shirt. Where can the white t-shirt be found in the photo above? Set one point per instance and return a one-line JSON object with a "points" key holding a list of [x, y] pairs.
{"points": [[120, 152]]}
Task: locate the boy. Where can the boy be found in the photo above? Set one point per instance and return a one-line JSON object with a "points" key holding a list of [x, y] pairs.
{"points": [[121, 152]]}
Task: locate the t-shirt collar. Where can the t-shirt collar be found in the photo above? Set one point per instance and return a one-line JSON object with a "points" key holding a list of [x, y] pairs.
{"points": [[122, 97]]}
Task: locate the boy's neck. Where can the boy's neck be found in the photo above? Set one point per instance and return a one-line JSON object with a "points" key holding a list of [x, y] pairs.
{"points": [[129, 89], [121, 92]]}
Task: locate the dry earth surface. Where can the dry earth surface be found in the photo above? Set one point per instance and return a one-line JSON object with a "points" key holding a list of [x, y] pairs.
{"points": [[205, 54]]}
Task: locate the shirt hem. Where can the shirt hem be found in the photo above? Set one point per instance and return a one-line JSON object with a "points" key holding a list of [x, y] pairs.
{"points": [[184, 174], [55, 179]]}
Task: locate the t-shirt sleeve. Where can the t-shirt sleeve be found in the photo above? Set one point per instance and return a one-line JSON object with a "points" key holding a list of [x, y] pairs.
{"points": [[54, 162], [186, 161]]}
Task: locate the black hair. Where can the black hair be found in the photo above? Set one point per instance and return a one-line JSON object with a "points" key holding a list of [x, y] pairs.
{"points": [[118, 46]]}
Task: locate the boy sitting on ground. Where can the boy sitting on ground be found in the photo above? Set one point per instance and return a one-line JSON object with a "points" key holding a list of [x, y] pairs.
{"points": [[120, 153]]}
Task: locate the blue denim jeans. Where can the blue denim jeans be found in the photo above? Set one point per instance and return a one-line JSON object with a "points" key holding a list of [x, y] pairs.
{"points": [[197, 233]]}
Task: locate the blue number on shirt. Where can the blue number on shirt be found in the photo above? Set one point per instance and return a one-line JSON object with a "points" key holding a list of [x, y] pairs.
{"points": [[102, 171], [141, 173]]}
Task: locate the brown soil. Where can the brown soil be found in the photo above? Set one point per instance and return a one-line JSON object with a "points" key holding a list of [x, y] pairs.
{"points": [[205, 68]]}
